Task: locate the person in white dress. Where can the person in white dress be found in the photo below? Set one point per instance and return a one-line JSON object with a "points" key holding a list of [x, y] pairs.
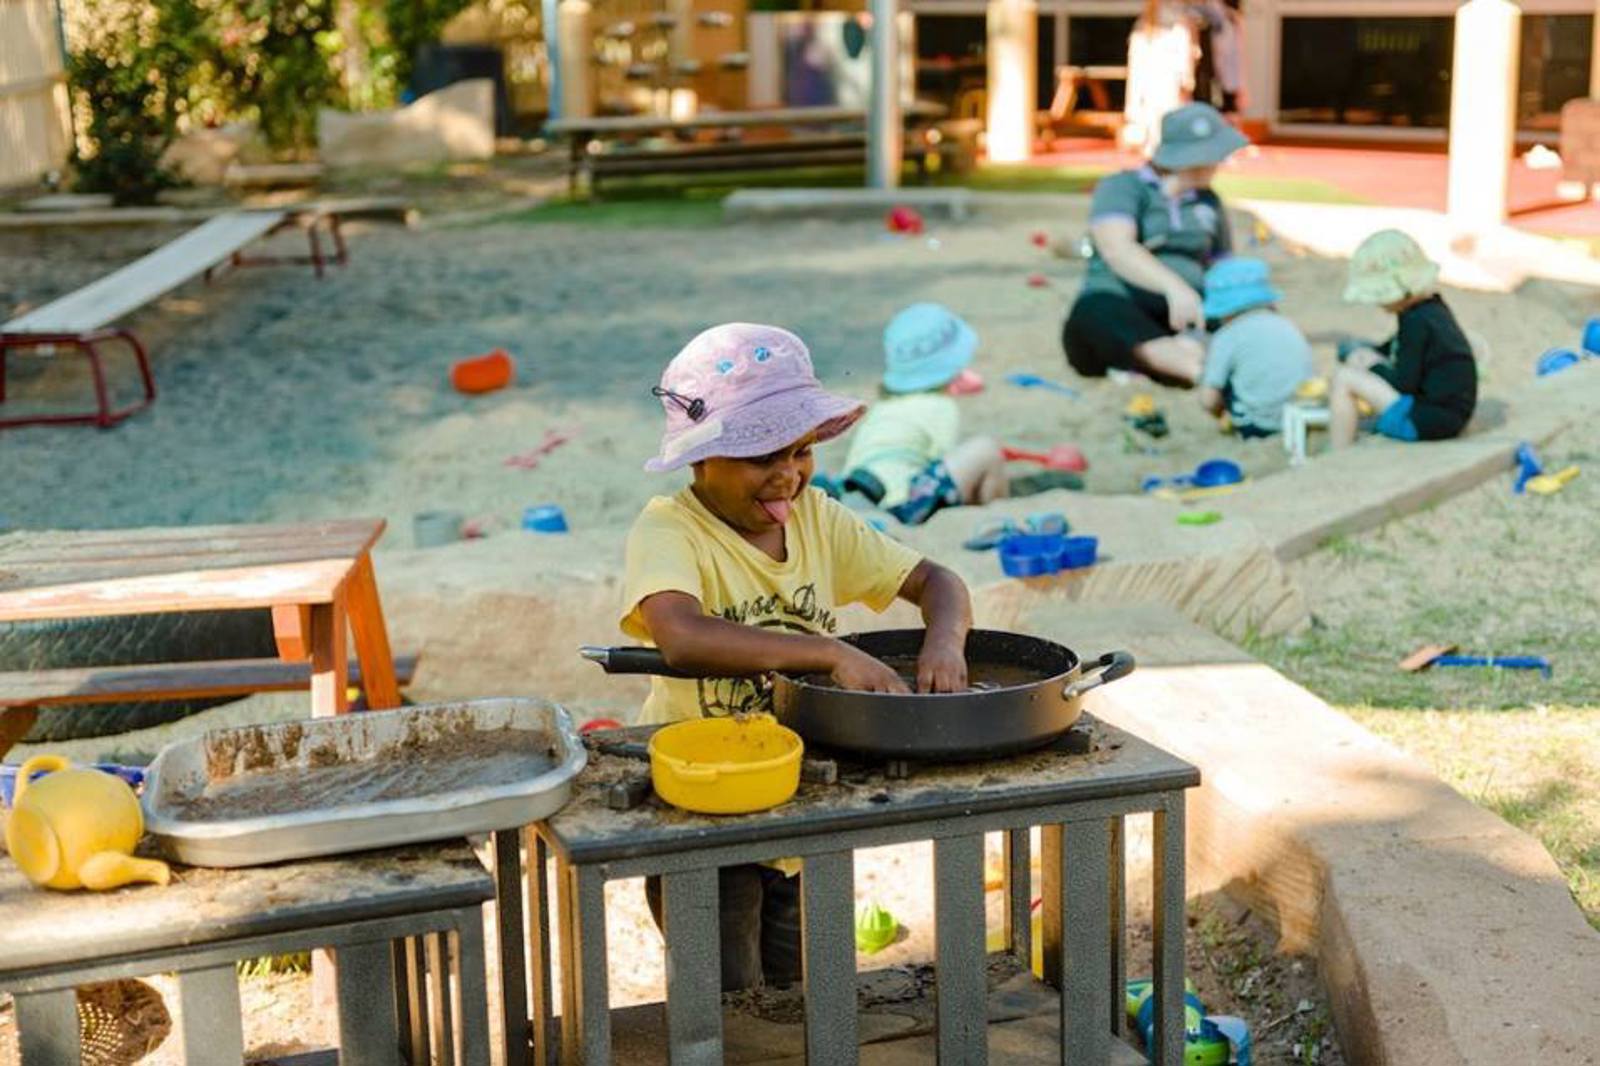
{"points": [[1162, 50]]}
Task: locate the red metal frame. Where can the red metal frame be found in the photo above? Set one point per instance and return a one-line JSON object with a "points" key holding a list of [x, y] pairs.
{"points": [[105, 416], [318, 261], [88, 342]]}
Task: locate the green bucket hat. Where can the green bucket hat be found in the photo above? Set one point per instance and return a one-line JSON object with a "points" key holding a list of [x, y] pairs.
{"points": [[1389, 267], [1196, 135]]}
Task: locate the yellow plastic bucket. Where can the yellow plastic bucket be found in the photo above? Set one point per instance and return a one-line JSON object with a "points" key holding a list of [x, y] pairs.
{"points": [[725, 765]]}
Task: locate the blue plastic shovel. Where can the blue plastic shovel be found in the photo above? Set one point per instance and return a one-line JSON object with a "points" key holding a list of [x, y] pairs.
{"points": [[1504, 662], [1034, 381]]}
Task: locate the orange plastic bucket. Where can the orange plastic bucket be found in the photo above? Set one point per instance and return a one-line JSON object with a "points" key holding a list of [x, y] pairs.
{"points": [[483, 373]]}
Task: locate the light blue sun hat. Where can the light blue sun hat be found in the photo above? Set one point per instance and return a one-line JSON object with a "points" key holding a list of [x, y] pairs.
{"points": [[1237, 284], [925, 346]]}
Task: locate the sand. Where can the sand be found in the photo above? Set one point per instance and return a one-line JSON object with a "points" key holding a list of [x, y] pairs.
{"points": [[283, 397]]}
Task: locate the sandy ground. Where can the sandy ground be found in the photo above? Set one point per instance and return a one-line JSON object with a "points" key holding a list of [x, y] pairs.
{"points": [[283, 397]]}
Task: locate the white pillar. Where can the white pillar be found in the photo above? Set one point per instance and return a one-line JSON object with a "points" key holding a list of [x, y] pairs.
{"points": [[1594, 55], [1483, 112], [883, 119], [1012, 51], [575, 57], [1262, 43]]}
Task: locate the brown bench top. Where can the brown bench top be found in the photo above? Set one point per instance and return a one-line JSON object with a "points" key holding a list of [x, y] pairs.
{"points": [[169, 681], [76, 574], [781, 116]]}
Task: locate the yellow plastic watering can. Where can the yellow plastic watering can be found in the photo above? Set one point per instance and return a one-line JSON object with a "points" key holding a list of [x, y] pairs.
{"points": [[77, 828]]}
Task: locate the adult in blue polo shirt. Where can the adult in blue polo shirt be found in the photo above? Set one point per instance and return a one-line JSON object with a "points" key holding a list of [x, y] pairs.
{"points": [[1155, 230]]}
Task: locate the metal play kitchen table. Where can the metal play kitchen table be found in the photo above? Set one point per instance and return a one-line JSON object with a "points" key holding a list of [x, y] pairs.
{"points": [[1079, 800]]}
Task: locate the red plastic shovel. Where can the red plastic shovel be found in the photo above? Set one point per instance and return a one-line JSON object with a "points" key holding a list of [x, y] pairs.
{"points": [[1060, 457]]}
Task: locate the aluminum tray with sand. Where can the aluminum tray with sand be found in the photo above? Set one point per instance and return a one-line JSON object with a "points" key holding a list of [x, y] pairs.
{"points": [[252, 795]]}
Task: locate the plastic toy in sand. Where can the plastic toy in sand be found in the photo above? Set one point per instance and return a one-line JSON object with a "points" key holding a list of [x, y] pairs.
{"points": [[1037, 281], [529, 460], [1034, 381], [1550, 484], [1059, 457], [1211, 477], [1591, 336], [1042, 554], [1040, 239], [1528, 468], [483, 373], [1199, 518], [545, 518], [876, 928], [904, 220], [1143, 415], [1556, 360], [1209, 1039]]}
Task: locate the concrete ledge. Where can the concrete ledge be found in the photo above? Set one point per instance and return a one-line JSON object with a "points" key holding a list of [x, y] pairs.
{"points": [[753, 205], [1445, 936]]}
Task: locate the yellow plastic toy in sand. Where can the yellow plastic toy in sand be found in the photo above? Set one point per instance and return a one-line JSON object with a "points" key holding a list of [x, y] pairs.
{"points": [[1549, 484], [726, 765], [77, 828]]}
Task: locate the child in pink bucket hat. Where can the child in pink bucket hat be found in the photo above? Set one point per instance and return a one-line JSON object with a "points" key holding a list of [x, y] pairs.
{"points": [[744, 572]]}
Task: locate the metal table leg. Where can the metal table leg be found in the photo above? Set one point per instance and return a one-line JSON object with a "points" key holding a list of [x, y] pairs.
{"points": [[368, 1028], [1085, 1035], [213, 1028], [960, 951], [1168, 847], [542, 1003], [689, 905], [511, 946], [585, 1005], [1016, 854], [47, 1027], [471, 1001], [827, 931]]}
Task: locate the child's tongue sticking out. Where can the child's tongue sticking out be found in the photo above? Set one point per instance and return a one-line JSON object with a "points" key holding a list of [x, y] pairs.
{"points": [[777, 510]]}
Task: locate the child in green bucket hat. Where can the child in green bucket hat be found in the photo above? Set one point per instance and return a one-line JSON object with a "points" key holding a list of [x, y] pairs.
{"points": [[1423, 381]]}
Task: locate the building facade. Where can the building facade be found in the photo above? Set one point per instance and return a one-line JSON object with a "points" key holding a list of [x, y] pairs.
{"points": [[1367, 69]]}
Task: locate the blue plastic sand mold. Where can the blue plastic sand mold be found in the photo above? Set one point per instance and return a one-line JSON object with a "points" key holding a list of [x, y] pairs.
{"points": [[1528, 467], [1211, 474], [1038, 554]]}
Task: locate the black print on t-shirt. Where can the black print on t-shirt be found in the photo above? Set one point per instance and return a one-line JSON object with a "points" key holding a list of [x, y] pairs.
{"points": [[797, 613]]}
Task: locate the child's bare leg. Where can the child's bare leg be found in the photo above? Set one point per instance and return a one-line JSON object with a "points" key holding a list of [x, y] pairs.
{"points": [[1178, 359], [1350, 383], [979, 469]]}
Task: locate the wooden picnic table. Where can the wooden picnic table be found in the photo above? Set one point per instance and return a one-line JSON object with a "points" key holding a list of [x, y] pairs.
{"points": [[316, 578], [777, 116]]}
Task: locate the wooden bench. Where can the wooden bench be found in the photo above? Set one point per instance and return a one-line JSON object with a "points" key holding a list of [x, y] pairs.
{"points": [[83, 319], [607, 146]]}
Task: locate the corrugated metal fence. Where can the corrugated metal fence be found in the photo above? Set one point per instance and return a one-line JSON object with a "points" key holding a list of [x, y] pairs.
{"points": [[34, 128]]}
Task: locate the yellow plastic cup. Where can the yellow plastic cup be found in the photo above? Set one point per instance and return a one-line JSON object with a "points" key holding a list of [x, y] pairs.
{"points": [[725, 765]]}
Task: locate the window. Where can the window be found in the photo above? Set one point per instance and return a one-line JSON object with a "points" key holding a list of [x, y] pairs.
{"points": [[1554, 67], [1366, 71]]}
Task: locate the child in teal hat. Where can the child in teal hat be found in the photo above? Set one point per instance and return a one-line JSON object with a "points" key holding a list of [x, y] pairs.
{"points": [[1257, 358], [907, 455]]}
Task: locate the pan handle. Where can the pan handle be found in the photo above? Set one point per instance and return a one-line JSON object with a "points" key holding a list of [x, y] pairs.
{"points": [[630, 661], [1108, 668]]}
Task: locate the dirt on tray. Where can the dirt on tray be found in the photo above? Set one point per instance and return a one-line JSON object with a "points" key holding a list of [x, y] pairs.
{"points": [[407, 770]]}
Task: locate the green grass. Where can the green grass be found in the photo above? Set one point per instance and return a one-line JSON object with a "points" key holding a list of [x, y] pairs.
{"points": [[686, 201]]}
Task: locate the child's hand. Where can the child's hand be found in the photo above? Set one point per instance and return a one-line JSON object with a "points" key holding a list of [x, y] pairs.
{"points": [[942, 667], [859, 672]]}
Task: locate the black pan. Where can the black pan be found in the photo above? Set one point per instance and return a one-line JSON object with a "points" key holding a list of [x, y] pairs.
{"points": [[1027, 691]]}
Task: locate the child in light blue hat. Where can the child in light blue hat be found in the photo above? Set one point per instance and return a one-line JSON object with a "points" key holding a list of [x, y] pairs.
{"points": [[907, 455], [1257, 358]]}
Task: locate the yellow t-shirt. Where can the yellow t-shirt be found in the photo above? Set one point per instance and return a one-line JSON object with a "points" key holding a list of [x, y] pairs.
{"points": [[834, 559], [900, 436]]}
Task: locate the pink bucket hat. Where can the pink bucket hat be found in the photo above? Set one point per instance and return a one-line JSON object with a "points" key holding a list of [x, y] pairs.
{"points": [[741, 390]]}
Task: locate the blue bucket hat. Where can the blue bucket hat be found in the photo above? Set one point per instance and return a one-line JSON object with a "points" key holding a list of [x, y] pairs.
{"points": [[1237, 284], [925, 346]]}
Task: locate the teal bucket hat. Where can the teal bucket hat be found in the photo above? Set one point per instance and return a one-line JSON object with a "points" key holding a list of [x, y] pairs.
{"points": [[1237, 284], [925, 346], [1196, 135]]}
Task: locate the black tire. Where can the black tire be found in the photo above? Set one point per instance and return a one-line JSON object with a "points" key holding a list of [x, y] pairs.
{"points": [[130, 640]]}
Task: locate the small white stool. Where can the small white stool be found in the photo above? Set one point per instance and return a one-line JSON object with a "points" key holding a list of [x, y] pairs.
{"points": [[1298, 419]]}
